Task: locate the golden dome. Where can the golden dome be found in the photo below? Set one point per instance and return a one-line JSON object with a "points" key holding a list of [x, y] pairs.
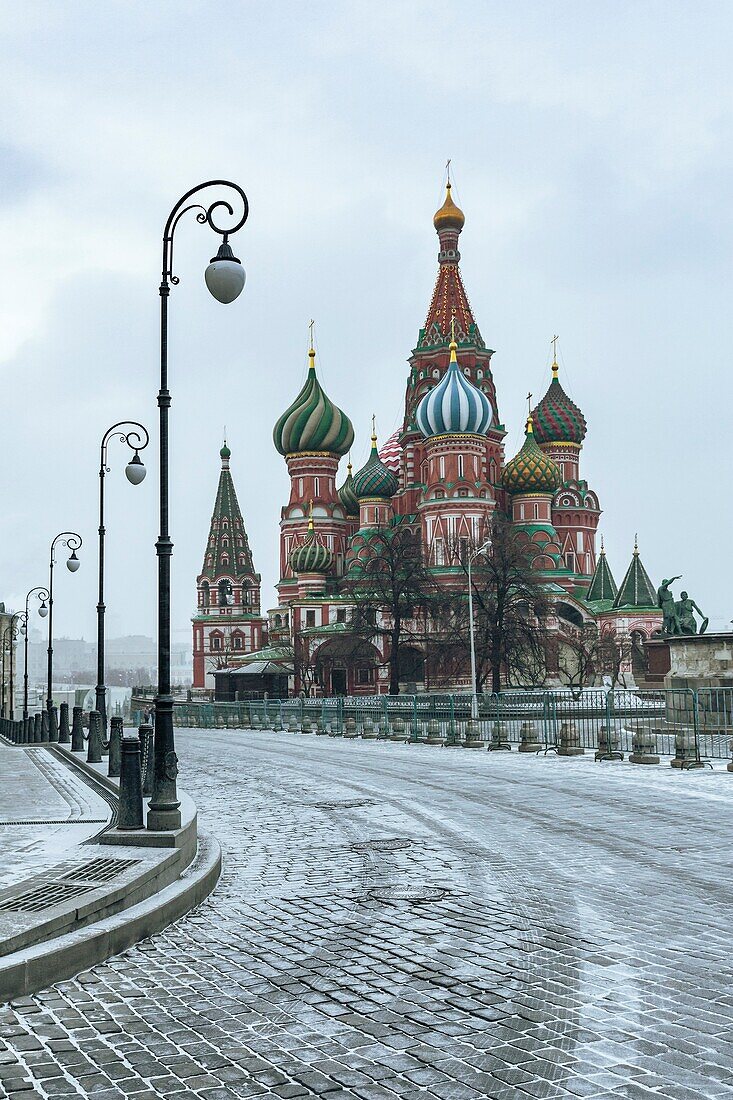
{"points": [[449, 216]]}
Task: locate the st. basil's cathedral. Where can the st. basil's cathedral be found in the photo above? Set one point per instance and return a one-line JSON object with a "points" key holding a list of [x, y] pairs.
{"points": [[444, 474]]}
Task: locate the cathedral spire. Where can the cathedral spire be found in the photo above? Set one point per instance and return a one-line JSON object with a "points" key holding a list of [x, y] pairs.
{"points": [[636, 588], [603, 586], [227, 551]]}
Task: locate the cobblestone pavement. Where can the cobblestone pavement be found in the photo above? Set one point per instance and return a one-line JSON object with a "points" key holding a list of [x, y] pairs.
{"points": [[415, 922]]}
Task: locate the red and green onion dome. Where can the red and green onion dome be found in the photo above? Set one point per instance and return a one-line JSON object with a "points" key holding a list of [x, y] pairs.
{"points": [[313, 422], [311, 556], [557, 419], [531, 471], [347, 496], [375, 479]]}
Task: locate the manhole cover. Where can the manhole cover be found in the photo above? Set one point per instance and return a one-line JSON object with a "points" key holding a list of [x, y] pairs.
{"points": [[413, 895], [344, 804], [385, 845]]}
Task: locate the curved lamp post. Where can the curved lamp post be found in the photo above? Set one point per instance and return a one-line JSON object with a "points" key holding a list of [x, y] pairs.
{"points": [[136, 439], [474, 695], [225, 279], [43, 596], [72, 542]]}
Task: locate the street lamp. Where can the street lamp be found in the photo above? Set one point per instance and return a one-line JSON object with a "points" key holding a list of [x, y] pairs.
{"points": [[72, 542], [135, 473], [43, 595], [225, 279], [474, 695]]}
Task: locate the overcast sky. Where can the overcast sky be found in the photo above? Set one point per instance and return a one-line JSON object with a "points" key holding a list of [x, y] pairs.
{"points": [[592, 154]]}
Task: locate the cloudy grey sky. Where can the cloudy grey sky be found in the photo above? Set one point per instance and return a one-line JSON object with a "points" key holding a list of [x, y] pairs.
{"points": [[592, 155]]}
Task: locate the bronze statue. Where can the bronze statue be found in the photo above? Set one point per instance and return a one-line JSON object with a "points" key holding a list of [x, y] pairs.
{"points": [[665, 599], [685, 608]]}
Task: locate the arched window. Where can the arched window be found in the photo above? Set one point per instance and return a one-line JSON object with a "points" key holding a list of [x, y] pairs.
{"points": [[205, 595], [215, 641]]}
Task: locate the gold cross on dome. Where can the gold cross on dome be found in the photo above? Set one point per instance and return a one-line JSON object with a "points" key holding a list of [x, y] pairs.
{"points": [[554, 347], [453, 329], [310, 329], [529, 404]]}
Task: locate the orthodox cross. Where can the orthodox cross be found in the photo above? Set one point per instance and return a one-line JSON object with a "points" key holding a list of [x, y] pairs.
{"points": [[554, 348], [310, 329], [529, 404], [447, 168]]}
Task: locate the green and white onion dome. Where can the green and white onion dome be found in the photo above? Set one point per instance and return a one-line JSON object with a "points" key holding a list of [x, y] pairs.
{"points": [[375, 479], [347, 496], [455, 406], [531, 470], [313, 422], [311, 556]]}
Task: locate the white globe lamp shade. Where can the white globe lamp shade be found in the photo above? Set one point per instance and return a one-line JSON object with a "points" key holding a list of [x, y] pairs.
{"points": [[135, 470], [225, 276], [43, 610], [73, 562]]}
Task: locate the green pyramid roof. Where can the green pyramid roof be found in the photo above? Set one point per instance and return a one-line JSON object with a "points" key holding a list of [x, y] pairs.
{"points": [[636, 589], [228, 545], [603, 586]]}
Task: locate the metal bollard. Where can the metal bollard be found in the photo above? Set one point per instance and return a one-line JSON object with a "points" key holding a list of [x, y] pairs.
{"points": [[53, 724], [77, 731], [64, 734], [94, 745], [38, 728], [115, 750], [131, 792], [146, 735], [44, 724]]}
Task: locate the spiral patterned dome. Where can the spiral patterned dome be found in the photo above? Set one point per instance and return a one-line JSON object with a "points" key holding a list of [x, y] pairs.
{"points": [[375, 479], [313, 422], [454, 406], [557, 419], [531, 471], [311, 556], [347, 496]]}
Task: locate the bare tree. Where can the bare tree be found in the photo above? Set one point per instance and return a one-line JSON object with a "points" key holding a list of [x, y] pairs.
{"points": [[393, 593], [589, 655], [510, 609]]}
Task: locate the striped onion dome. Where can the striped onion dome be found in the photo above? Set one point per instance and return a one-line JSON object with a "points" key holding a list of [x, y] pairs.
{"points": [[311, 556], [454, 406], [391, 453], [531, 471], [347, 496], [375, 479], [557, 419], [313, 422]]}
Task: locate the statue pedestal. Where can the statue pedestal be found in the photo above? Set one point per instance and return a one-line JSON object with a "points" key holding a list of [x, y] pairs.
{"points": [[691, 661]]}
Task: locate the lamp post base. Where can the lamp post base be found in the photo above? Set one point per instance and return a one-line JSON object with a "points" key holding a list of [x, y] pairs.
{"points": [[163, 821]]}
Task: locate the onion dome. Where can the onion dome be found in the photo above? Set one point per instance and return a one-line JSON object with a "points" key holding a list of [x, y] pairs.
{"points": [[313, 422], [347, 496], [375, 479], [449, 216], [311, 556], [391, 453], [454, 406], [225, 452], [531, 471], [557, 419]]}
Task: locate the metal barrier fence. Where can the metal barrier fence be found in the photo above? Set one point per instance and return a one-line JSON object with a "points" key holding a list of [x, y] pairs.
{"points": [[689, 725]]}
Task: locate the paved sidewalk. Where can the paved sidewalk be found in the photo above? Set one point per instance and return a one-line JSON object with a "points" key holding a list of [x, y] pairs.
{"points": [[60, 810], [405, 921]]}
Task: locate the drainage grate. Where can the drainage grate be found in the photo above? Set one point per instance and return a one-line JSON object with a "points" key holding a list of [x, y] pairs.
{"points": [[44, 897], [414, 895], [385, 845], [100, 870], [345, 804]]}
